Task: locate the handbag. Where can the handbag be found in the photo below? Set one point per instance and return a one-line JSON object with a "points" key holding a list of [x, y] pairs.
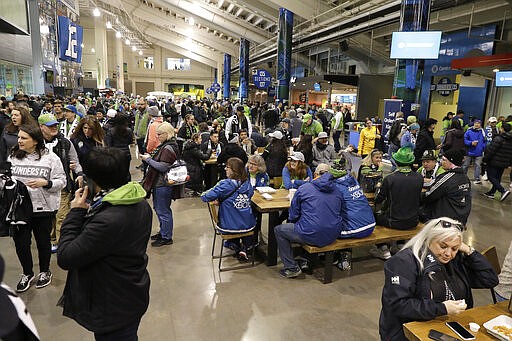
{"points": [[177, 174]]}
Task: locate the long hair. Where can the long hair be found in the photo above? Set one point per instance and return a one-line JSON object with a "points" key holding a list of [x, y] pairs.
{"points": [[98, 134], [278, 146], [35, 133], [26, 118], [300, 172], [432, 231], [238, 170]]}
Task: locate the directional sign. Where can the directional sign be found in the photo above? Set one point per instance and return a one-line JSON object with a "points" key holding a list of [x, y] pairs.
{"points": [[262, 79], [215, 87], [209, 91]]}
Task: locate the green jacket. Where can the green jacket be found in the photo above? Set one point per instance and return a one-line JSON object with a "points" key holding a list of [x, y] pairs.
{"points": [[313, 129], [141, 124]]}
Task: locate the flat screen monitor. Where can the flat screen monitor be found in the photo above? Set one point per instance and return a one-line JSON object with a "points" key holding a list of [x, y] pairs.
{"points": [[504, 78], [415, 45]]}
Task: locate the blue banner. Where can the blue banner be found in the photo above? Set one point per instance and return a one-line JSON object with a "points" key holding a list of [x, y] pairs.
{"points": [[284, 53], [227, 76], [262, 79], [391, 107], [70, 40], [244, 68]]}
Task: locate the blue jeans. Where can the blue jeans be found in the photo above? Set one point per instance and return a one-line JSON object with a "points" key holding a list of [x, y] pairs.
{"points": [[162, 197], [478, 166], [128, 333], [285, 236], [392, 149]]}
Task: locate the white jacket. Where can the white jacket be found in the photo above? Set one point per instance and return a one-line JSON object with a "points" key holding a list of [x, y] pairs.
{"points": [[48, 167]]}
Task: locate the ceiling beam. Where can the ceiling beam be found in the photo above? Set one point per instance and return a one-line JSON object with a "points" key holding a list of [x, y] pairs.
{"points": [[172, 47]]}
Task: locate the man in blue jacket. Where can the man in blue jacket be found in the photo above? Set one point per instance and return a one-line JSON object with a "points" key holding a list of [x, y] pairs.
{"points": [[474, 139], [314, 218]]}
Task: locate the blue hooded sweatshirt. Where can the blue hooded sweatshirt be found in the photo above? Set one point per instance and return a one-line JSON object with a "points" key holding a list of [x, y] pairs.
{"points": [[316, 211], [235, 213], [475, 135], [358, 220]]}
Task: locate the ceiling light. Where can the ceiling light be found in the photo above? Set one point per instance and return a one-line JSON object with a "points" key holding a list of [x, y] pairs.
{"points": [[496, 70], [191, 21], [93, 50], [44, 29], [127, 41], [118, 34], [109, 25], [82, 45], [140, 52], [96, 12], [134, 48]]}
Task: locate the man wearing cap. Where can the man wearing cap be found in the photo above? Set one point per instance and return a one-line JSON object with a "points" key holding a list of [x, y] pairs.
{"points": [[80, 109], [323, 152], [402, 191], [310, 126], [71, 119], [156, 118], [491, 130], [475, 141], [284, 128], [307, 223], [64, 149], [430, 169], [450, 195], [236, 123]]}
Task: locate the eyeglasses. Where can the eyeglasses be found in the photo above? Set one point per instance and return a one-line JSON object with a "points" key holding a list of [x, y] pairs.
{"points": [[446, 224], [252, 164]]}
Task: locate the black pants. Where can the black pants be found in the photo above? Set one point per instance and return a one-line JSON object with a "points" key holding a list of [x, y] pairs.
{"points": [[41, 226], [128, 333], [494, 176]]}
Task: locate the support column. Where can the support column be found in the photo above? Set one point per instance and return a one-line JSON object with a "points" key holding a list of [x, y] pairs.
{"points": [[226, 80], [284, 54], [100, 45], [244, 69], [119, 65], [37, 54], [408, 73]]}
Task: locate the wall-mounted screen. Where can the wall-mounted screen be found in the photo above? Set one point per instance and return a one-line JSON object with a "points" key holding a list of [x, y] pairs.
{"points": [[415, 45], [182, 64], [504, 78]]}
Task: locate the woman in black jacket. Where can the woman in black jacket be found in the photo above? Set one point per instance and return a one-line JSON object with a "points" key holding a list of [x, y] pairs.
{"points": [[194, 158], [87, 135], [275, 155], [121, 136], [9, 138], [305, 146], [498, 156], [431, 276], [454, 138], [425, 141]]}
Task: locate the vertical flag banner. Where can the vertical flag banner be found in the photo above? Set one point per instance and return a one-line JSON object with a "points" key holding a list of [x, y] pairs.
{"points": [[391, 107], [70, 40], [284, 53], [244, 68], [227, 76]]}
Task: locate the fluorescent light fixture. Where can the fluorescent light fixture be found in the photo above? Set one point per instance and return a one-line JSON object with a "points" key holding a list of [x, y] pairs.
{"points": [[134, 48], [127, 41], [96, 12], [82, 45], [109, 25], [93, 50], [118, 34], [191, 21], [140, 52], [496, 70]]}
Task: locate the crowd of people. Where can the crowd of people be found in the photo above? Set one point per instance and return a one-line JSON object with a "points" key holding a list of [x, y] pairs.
{"points": [[73, 157]]}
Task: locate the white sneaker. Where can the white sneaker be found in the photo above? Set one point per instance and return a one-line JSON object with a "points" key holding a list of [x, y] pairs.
{"points": [[382, 252]]}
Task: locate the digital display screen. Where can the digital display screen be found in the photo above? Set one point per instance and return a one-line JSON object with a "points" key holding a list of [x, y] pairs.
{"points": [[415, 45], [504, 78]]}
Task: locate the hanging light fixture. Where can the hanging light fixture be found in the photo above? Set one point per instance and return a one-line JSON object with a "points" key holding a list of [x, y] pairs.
{"points": [[127, 41], [191, 21], [109, 25], [118, 34], [93, 50], [134, 48], [140, 52], [96, 12]]}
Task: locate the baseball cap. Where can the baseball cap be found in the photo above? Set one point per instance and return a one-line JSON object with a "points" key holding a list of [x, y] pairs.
{"points": [[322, 135], [493, 119], [298, 156], [429, 155], [71, 108], [306, 118], [111, 113], [48, 120], [276, 134], [154, 111]]}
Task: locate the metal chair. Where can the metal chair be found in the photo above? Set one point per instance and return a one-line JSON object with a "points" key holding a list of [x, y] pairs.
{"points": [[492, 256], [212, 208]]}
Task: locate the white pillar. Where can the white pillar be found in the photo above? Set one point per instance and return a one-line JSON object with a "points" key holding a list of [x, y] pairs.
{"points": [[119, 64], [100, 41]]}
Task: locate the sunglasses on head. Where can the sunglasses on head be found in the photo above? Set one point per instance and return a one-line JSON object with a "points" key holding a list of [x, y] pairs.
{"points": [[447, 224]]}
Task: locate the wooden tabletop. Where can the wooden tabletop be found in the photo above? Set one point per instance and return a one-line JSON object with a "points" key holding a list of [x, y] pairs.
{"points": [[279, 201], [419, 330]]}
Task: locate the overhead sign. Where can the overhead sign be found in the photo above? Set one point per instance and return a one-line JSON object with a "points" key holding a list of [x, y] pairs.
{"points": [[504, 78], [215, 87], [262, 79], [415, 45], [444, 87], [70, 40], [317, 87]]}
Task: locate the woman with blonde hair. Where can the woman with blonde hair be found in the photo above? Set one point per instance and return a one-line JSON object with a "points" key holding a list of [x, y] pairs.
{"points": [[371, 164], [431, 276]]}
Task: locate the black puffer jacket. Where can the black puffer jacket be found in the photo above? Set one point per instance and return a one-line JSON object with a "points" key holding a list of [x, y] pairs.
{"points": [[193, 156], [7, 141], [231, 150], [275, 159], [499, 152], [424, 141], [454, 140], [406, 295], [449, 196]]}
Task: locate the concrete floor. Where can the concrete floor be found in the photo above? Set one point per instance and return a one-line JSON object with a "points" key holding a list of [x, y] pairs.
{"points": [[190, 300]]}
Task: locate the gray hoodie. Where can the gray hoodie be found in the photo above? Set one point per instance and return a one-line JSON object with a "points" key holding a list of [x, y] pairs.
{"points": [[48, 167]]}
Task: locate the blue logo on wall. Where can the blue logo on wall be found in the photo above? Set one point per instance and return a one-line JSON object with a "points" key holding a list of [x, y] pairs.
{"points": [[262, 79], [70, 40], [215, 87], [317, 87]]}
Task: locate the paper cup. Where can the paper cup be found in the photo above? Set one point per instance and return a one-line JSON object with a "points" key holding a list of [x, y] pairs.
{"points": [[474, 326], [291, 193]]}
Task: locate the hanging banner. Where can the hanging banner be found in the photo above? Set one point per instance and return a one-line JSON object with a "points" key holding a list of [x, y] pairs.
{"points": [[391, 107], [262, 79], [70, 40], [284, 53], [227, 76], [244, 68]]}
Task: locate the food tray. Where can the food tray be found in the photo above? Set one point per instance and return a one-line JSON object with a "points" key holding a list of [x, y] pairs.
{"points": [[501, 320], [266, 189]]}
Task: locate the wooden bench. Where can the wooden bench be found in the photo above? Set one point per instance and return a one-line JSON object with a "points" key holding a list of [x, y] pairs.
{"points": [[380, 235]]}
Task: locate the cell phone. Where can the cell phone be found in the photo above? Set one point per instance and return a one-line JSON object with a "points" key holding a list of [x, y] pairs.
{"points": [[460, 330], [437, 335], [88, 183]]}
